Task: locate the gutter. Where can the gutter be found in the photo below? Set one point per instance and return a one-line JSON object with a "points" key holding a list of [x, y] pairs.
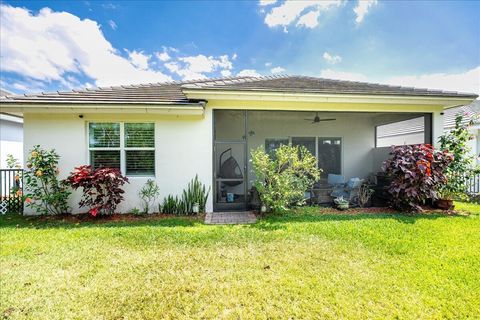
{"points": [[96, 107]]}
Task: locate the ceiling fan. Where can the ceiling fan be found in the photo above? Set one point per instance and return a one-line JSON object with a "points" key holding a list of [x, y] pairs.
{"points": [[317, 119]]}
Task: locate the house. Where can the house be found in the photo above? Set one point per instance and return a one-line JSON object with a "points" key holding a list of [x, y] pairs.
{"points": [[412, 131], [172, 131], [11, 135]]}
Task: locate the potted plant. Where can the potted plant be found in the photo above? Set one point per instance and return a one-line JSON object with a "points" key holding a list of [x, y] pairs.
{"points": [[341, 203]]}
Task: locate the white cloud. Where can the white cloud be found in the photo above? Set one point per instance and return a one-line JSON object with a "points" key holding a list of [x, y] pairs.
{"points": [[249, 73], [362, 9], [234, 57], [50, 44], [226, 73], [112, 24], [468, 81], [266, 2], [277, 70], [268, 64], [341, 75], [309, 20], [291, 11], [163, 56], [331, 58], [195, 67], [139, 59]]}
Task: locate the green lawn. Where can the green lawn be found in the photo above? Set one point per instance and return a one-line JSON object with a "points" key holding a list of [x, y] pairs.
{"points": [[302, 265]]}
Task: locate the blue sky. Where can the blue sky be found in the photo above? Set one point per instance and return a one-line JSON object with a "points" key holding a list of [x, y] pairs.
{"points": [[60, 45]]}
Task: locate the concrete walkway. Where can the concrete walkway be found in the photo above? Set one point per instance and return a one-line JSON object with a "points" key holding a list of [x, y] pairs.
{"points": [[244, 217]]}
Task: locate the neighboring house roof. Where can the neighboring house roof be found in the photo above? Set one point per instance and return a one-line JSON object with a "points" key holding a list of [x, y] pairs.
{"points": [[416, 125], [172, 92], [469, 113]]}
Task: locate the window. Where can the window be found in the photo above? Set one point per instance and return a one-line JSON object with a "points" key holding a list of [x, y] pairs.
{"points": [[307, 142], [273, 144], [330, 155], [129, 147]]}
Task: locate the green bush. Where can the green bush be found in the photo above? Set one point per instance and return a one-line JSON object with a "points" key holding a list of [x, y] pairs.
{"points": [[43, 191], [283, 180], [173, 205], [196, 193], [463, 167], [149, 194]]}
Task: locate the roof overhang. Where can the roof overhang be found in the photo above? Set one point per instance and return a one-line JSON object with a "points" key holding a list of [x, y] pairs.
{"points": [[193, 109], [325, 98]]}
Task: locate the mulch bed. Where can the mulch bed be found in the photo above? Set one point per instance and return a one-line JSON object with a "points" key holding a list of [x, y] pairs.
{"points": [[86, 217], [379, 210]]}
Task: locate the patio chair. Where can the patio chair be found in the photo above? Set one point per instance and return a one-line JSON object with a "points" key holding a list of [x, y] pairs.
{"points": [[349, 190]]}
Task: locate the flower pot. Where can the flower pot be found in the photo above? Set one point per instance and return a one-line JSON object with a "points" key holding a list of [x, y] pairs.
{"points": [[444, 204], [196, 208]]}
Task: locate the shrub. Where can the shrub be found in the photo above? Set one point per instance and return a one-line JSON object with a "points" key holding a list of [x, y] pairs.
{"points": [[101, 188], [462, 168], [196, 193], [12, 162], [417, 171], [283, 180], [43, 191], [173, 205], [149, 194]]}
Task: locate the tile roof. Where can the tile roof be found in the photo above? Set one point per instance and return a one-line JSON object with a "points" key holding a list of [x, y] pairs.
{"points": [[305, 84], [171, 93]]}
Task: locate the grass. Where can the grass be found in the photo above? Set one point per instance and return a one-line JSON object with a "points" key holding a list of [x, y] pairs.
{"points": [[301, 265]]}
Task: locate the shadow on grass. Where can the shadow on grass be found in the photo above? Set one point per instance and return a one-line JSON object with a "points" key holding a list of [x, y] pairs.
{"points": [[278, 221], [269, 222], [35, 222]]}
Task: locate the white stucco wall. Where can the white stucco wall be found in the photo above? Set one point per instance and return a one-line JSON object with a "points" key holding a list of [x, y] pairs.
{"points": [[183, 148]]}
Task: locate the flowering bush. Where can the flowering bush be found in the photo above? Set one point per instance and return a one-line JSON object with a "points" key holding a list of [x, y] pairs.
{"points": [[43, 191], [101, 188], [283, 181], [417, 172]]}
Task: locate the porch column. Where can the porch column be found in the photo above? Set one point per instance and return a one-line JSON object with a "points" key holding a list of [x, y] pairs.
{"points": [[437, 127]]}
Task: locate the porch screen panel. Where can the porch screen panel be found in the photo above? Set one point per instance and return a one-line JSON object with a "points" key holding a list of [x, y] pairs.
{"points": [[330, 155]]}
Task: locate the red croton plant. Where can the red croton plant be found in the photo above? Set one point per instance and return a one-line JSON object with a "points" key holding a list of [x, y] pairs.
{"points": [[417, 172], [101, 188]]}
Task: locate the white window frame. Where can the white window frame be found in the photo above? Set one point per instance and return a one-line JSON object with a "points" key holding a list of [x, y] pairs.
{"points": [[122, 148]]}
